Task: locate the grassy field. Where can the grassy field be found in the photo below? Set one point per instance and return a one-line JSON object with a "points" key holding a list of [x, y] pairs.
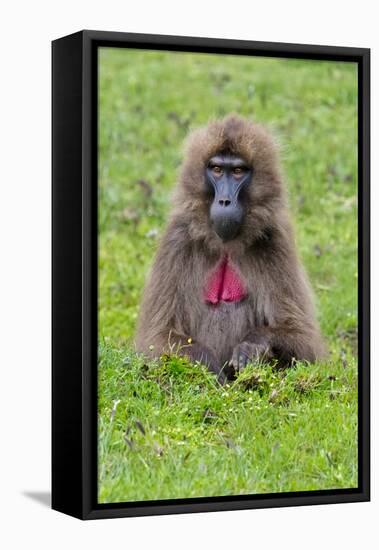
{"points": [[166, 429]]}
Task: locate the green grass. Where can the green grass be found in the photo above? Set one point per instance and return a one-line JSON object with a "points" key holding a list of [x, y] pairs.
{"points": [[166, 429]]}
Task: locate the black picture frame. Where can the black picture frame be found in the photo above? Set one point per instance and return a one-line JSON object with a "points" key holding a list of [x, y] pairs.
{"points": [[74, 273]]}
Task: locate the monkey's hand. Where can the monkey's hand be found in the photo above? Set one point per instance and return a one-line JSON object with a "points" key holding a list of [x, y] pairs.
{"points": [[197, 352], [248, 352]]}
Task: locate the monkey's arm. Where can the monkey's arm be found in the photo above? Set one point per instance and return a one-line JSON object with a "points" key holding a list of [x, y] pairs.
{"points": [[197, 352], [160, 329], [284, 342], [169, 341], [291, 331], [293, 335]]}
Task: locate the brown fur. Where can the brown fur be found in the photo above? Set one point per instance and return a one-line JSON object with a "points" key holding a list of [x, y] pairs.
{"points": [[277, 318]]}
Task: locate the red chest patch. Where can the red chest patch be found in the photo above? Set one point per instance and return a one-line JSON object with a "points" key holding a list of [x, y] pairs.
{"points": [[224, 285]]}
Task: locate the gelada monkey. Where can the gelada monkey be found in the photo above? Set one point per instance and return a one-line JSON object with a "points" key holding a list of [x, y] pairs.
{"points": [[226, 286]]}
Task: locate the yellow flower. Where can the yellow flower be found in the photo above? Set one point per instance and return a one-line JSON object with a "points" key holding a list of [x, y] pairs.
{"points": [[189, 340]]}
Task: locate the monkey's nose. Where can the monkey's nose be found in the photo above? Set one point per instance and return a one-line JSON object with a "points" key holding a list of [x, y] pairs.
{"points": [[224, 202]]}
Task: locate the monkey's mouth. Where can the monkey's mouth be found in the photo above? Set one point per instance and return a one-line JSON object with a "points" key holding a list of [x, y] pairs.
{"points": [[226, 227]]}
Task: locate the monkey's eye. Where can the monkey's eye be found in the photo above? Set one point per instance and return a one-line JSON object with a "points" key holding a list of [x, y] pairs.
{"points": [[217, 170], [238, 172]]}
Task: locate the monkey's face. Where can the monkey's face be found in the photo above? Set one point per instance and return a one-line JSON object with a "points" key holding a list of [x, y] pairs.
{"points": [[227, 176]]}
